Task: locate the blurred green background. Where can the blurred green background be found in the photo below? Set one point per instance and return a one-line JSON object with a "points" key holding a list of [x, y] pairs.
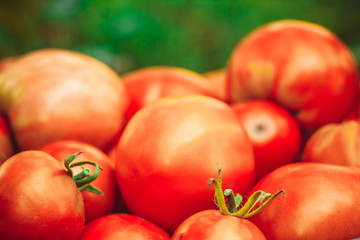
{"points": [[127, 35]]}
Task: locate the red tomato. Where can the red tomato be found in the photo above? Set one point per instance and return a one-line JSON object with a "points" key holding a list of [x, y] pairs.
{"points": [[212, 224], [335, 143], [169, 149], [96, 205], [321, 202], [50, 94], [123, 226], [38, 199], [6, 144], [300, 65], [149, 84], [217, 80], [274, 133]]}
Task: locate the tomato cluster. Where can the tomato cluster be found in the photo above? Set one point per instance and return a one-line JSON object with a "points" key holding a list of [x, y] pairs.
{"points": [[89, 154]]}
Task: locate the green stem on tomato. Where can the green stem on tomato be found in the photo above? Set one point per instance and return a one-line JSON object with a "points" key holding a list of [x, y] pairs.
{"points": [[234, 208], [84, 179]]}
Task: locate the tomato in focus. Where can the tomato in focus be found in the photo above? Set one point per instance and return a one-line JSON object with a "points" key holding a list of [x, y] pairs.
{"points": [[169, 149]]}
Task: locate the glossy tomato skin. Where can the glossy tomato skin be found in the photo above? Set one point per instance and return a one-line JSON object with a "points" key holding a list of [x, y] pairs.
{"points": [[122, 226], [337, 143], [38, 199], [321, 202], [212, 224], [95, 205], [148, 84], [170, 149], [300, 65], [49, 95], [275, 134]]}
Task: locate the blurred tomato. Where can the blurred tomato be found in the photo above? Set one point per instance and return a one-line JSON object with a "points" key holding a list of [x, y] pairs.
{"points": [[300, 65], [337, 143], [122, 226], [57, 94], [96, 205], [274, 133], [169, 149], [217, 79], [149, 84], [7, 148]]}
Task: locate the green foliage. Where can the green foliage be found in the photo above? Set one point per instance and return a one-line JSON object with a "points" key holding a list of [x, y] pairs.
{"points": [[126, 35]]}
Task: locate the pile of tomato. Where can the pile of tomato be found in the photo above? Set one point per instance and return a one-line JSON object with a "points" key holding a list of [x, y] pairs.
{"points": [[266, 148]]}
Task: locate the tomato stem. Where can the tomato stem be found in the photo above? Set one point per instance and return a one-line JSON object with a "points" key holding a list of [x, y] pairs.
{"points": [[234, 201], [84, 179]]}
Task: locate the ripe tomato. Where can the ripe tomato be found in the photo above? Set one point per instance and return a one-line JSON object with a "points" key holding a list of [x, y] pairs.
{"points": [[212, 224], [50, 94], [122, 226], [300, 65], [96, 205], [169, 149], [274, 133], [6, 144], [321, 202], [38, 199], [149, 84], [217, 79], [337, 143]]}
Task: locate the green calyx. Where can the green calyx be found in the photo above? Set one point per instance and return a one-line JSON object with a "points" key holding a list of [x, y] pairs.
{"points": [[234, 206], [83, 179]]}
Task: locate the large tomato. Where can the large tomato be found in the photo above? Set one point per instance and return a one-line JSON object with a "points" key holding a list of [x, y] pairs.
{"points": [[96, 205], [169, 149], [337, 143], [274, 133], [123, 226], [212, 224], [38, 199], [321, 202], [55, 94], [300, 65], [6, 144], [149, 84]]}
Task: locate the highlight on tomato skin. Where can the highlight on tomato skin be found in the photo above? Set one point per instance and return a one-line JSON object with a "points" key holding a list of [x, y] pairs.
{"points": [[148, 84], [275, 134], [300, 65], [39, 199], [122, 226], [212, 224], [96, 205], [169, 149], [318, 197], [337, 143]]}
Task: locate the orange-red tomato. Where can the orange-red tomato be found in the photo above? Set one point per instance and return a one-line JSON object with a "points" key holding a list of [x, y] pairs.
{"points": [[152, 83], [95, 205], [321, 202], [123, 226], [169, 149], [337, 143], [274, 133], [212, 224], [38, 199], [300, 65], [57, 94]]}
